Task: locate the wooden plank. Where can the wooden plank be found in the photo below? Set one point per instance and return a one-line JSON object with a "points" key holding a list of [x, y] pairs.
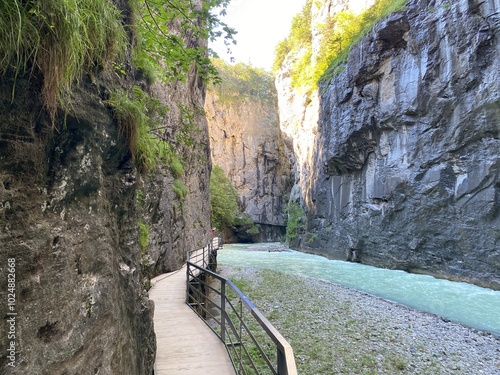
{"points": [[185, 344]]}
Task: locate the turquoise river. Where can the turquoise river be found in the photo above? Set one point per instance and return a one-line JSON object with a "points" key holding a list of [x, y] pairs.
{"points": [[459, 302]]}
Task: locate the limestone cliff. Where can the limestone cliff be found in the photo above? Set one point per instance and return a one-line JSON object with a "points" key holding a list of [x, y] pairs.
{"points": [[178, 222], [72, 206], [400, 164], [245, 140]]}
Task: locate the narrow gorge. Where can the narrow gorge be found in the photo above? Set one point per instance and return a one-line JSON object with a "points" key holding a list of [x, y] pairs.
{"points": [[113, 118], [246, 142]]}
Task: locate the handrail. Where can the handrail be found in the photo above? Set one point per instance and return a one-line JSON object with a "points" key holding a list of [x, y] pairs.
{"points": [[203, 256], [241, 337]]}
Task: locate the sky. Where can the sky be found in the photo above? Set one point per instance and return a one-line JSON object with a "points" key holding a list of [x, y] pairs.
{"points": [[261, 24]]}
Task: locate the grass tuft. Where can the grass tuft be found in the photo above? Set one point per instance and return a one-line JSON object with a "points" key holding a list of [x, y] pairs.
{"points": [[138, 116], [59, 39]]}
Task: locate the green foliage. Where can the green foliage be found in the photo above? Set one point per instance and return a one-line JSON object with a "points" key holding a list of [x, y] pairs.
{"points": [[241, 81], [254, 230], [143, 235], [338, 34], [282, 49], [244, 225], [295, 214], [186, 135], [138, 116], [346, 30], [300, 37], [180, 189], [176, 167], [59, 39], [170, 54], [223, 199]]}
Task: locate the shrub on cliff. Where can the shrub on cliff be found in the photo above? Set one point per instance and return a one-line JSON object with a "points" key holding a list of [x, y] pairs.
{"points": [[295, 215], [241, 81], [337, 35], [223, 200]]}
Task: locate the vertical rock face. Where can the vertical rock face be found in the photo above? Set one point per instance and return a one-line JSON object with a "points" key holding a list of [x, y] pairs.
{"points": [[70, 214], [69, 222], [178, 224], [406, 151], [245, 141]]}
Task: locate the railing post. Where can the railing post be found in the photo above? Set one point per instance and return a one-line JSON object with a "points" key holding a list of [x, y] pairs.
{"points": [[223, 311], [187, 283], [281, 363]]}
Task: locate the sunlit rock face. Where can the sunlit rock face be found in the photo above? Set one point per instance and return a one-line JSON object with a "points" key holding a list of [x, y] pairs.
{"points": [[402, 159], [246, 142]]}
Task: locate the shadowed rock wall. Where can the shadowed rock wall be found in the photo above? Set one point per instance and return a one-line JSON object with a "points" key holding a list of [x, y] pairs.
{"points": [[70, 214], [68, 219]]}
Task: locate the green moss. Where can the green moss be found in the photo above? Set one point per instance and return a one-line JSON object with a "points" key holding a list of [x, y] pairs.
{"points": [[144, 236], [139, 195], [312, 238]]}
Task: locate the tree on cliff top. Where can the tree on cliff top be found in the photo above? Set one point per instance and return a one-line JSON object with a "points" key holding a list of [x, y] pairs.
{"points": [[242, 81], [337, 35]]}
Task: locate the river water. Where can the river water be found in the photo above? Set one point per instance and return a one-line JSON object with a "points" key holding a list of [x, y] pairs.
{"points": [[460, 302]]}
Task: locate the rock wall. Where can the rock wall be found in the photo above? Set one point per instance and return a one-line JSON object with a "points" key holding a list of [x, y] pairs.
{"points": [[246, 143], [71, 204], [403, 164], [178, 224], [69, 222]]}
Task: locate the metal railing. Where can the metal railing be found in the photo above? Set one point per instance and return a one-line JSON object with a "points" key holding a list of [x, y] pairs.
{"points": [[206, 257], [254, 345]]}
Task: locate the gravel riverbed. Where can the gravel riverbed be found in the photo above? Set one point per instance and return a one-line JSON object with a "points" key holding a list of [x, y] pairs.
{"points": [[338, 330]]}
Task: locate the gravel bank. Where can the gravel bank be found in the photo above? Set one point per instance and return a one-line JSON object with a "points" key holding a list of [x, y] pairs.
{"points": [[337, 330]]}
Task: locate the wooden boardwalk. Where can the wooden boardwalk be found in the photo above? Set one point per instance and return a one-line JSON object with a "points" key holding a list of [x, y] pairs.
{"points": [[184, 343]]}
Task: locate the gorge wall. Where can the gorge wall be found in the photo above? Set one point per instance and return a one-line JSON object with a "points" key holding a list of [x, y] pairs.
{"points": [[246, 142], [397, 158], [86, 228]]}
